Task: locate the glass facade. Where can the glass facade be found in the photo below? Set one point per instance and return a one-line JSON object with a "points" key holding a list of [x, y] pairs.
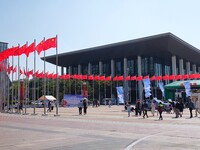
{"points": [[84, 69], [119, 67], [131, 67], [107, 68], [95, 69]]}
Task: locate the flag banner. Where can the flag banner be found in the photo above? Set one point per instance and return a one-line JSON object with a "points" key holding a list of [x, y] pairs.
{"points": [[187, 88], [147, 87], [160, 84], [148, 94], [71, 100], [120, 94]]}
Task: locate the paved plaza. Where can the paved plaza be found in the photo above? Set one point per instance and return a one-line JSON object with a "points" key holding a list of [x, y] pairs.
{"points": [[103, 128]]}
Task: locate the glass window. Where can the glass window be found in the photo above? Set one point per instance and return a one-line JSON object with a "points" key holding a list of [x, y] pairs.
{"points": [[118, 68], [95, 69], [106, 68]]}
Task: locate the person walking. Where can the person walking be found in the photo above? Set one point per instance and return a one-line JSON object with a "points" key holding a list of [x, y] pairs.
{"points": [[128, 107], [191, 107], [85, 105], [138, 108], [160, 110], [80, 106], [144, 109], [49, 107], [177, 109], [181, 108], [197, 107]]}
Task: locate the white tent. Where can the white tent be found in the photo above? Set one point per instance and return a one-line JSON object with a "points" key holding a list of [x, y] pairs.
{"points": [[47, 97]]}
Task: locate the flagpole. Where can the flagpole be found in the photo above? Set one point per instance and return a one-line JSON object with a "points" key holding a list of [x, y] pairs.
{"points": [[25, 113], [12, 83], [57, 84], [8, 98], [93, 87], [18, 84], [34, 79], [44, 88]]}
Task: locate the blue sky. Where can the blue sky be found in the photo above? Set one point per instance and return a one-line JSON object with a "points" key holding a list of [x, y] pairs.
{"points": [[82, 24]]}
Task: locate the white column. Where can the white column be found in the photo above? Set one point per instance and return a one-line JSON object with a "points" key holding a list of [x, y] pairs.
{"points": [[181, 69], [125, 82], [70, 70], [188, 67], [79, 69], [112, 68], [174, 65], [89, 68], [100, 68], [194, 68]]}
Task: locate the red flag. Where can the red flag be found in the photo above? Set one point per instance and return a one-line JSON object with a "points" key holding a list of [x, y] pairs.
{"points": [[120, 78], [20, 71], [90, 77], [178, 77], [15, 69], [20, 50], [185, 76], [158, 78], [67, 76], [102, 78], [152, 78], [115, 78], [40, 47], [127, 78], [139, 78], [29, 49], [96, 77], [108, 78], [50, 43], [171, 77], [133, 78], [166, 77], [145, 77], [84, 77]]}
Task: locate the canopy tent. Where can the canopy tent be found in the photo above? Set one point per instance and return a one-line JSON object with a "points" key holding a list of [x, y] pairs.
{"points": [[47, 97], [172, 87]]}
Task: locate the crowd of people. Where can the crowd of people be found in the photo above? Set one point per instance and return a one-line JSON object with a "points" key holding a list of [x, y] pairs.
{"points": [[177, 107]]}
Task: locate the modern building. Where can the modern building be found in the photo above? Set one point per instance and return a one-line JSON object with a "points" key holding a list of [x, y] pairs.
{"points": [[162, 54], [4, 80]]}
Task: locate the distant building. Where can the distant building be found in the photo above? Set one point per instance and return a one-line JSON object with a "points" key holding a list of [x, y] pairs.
{"points": [[4, 80], [162, 54]]}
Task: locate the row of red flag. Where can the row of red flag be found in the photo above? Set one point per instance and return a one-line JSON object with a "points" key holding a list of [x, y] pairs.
{"points": [[37, 74], [17, 50]]}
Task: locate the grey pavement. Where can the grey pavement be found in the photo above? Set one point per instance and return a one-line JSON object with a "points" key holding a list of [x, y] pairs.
{"points": [[103, 128]]}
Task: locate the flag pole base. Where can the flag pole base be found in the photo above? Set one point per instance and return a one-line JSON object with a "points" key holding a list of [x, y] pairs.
{"points": [[56, 115], [44, 115]]}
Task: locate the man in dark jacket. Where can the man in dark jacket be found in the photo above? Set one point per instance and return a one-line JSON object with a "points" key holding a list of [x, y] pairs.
{"points": [[191, 107]]}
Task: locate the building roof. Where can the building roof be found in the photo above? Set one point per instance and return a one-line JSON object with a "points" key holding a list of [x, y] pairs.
{"points": [[161, 46]]}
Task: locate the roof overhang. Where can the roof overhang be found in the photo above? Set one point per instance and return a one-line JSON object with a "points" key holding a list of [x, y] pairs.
{"points": [[162, 46]]}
